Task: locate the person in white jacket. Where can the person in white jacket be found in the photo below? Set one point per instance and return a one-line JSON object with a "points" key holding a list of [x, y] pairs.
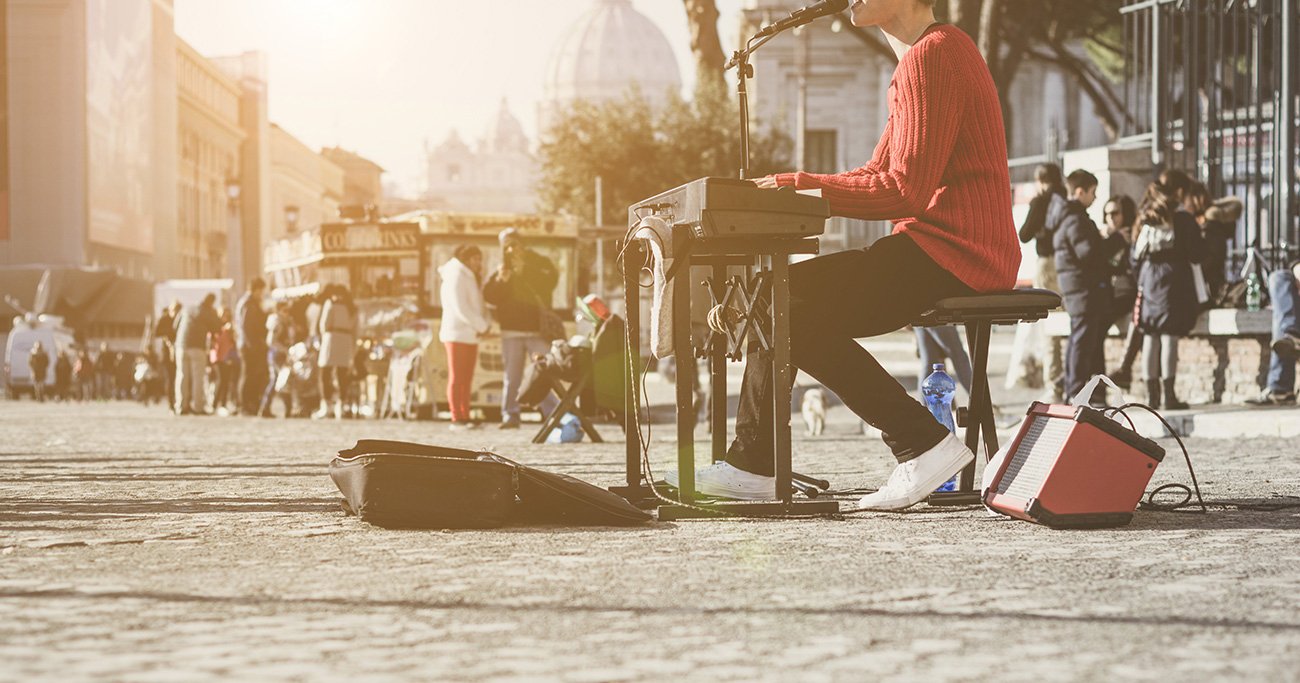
{"points": [[464, 320]]}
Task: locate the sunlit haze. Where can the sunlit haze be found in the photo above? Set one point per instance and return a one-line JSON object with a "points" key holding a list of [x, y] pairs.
{"points": [[382, 76]]}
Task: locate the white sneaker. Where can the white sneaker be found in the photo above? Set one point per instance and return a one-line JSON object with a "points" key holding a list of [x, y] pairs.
{"points": [[917, 478], [722, 480]]}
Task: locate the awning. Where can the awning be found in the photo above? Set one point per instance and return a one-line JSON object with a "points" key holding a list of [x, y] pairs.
{"points": [[93, 297]]}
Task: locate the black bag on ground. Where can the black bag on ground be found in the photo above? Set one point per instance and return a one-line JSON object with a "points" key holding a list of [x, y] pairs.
{"points": [[397, 484], [394, 486]]}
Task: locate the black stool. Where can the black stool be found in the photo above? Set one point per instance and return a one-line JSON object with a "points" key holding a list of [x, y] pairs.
{"points": [[979, 313]]}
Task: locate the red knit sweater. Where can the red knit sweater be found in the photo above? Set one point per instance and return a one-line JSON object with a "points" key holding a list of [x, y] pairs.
{"points": [[939, 171]]}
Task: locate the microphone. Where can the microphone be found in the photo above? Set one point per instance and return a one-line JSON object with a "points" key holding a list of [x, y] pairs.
{"points": [[805, 15]]}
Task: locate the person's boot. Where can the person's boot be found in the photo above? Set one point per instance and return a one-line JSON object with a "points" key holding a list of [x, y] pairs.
{"points": [[1171, 399], [1153, 393], [1123, 378]]}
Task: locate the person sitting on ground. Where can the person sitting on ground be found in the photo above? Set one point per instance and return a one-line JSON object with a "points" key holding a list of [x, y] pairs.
{"points": [[1083, 268], [1284, 288], [940, 174]]}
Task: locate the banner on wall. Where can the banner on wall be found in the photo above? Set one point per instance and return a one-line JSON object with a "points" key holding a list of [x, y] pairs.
{"points": [[120, 122]]}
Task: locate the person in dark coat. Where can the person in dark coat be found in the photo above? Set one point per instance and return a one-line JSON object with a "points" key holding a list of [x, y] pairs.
{"points": [[63, 376], [1166, 246], [164, 333], [1218, 230], [518, 292], [250, 335], [1120, 213], [1083, 269], [38, 360], [105, 372], [1045, 211]]}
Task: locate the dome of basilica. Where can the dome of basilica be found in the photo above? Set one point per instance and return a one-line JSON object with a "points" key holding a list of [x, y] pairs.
{"points": [[610, 47]]}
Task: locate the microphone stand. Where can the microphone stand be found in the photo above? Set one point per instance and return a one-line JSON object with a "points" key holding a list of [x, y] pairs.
{"points": [[744, 72]]}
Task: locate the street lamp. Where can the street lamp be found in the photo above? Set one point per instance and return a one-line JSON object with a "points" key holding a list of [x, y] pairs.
{"points": [[234, 230]]}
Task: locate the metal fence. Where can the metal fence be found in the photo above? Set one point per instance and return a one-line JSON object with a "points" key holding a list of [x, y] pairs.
{"points": [[1210, 85]]}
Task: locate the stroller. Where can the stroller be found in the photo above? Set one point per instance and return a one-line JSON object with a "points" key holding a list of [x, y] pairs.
{"points": [[300, 380]]}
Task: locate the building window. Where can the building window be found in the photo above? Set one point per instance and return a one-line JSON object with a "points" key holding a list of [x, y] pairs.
{"points": [[819, 155], [453, 173]]}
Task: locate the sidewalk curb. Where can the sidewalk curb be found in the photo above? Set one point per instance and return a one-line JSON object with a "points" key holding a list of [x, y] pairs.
{"points": [[1227, 424]]}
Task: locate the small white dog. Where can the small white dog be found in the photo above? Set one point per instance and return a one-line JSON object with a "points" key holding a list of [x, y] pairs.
{"points": [[814, 411]]}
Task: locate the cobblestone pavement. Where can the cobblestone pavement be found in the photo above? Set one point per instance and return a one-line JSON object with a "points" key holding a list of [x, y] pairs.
{"points": [[137, 546]]}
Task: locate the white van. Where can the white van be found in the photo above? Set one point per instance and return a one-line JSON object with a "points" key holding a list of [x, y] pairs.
{"points": [[28, 329]]}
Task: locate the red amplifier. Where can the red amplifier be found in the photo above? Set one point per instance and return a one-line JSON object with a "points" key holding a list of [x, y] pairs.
{"points": [[1073, 468]]}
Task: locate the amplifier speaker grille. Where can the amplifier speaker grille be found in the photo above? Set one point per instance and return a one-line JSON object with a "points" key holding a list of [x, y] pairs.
{"points": [[1032, 461]]}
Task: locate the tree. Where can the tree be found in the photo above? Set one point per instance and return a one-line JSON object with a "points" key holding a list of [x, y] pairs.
{"points": [[702, 17], [1008, 33], [639, 152]]}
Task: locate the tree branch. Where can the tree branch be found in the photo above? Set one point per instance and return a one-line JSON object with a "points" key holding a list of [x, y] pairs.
{"points": [[1090, 87]]}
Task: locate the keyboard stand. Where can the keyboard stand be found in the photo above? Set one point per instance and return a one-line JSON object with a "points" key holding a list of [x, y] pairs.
{"points": [[764, 298]]}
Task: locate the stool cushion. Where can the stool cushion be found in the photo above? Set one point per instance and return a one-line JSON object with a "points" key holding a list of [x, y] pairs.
{"points": [[999, 307]]}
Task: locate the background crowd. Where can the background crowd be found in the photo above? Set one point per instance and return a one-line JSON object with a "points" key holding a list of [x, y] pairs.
{"points": [[1151, 268]]}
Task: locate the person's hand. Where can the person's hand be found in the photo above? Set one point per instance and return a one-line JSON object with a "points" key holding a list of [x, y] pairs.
{"points": [[767, 182]]}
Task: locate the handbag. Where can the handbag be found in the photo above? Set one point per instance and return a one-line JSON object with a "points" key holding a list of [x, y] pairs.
{"points": [[1202, 289]]}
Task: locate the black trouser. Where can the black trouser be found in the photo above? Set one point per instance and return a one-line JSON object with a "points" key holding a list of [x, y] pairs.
{"points": [[1085, 352], [834, 300], [334, 378], [253, 378]]}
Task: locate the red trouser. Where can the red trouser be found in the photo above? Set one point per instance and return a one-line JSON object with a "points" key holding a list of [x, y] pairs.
{"points": [[461, 359]]}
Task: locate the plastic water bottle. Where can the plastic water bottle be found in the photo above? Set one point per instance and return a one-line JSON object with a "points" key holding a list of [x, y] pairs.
{"points": [[1254, 292], [937, 390]]}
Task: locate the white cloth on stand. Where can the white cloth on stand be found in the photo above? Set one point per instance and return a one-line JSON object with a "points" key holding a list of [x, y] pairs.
{"points": [[657, 234]]}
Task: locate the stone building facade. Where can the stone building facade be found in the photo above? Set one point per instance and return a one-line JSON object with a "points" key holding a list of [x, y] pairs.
{"points": [[208, 169], [306, 188]]}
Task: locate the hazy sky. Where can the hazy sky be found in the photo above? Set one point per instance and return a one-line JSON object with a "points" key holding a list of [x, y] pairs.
{"points": [[382, 76]]}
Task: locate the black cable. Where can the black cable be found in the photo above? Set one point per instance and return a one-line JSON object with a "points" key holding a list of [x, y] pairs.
{"points": [[1150, 502]]}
